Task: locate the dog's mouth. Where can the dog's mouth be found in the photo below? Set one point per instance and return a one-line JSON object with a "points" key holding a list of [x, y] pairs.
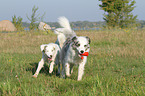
{"points": [[81, 55], [49, 58]]}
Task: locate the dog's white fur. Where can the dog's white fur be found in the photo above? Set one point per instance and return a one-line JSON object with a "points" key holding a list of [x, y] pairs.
{"points": [[70, 53], [50, 54], [70, 56], [63, 33]]}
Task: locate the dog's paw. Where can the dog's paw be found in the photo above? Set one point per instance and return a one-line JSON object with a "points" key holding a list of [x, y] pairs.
{"points": [[35, 75], [68, 75], [50, 71], [79, 79]]}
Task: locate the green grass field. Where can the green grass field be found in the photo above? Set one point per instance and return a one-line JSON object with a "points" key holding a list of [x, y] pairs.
{"points": [[115, 66]]}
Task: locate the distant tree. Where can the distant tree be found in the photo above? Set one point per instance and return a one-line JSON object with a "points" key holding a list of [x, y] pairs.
{"points": [[118, 13], [14, 20], [34, 18], [142, 23], [17, 22]]}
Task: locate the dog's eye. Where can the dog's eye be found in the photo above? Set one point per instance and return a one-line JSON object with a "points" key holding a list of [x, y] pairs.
{"points": [[52, 50], [77, 45], [85, 45]]}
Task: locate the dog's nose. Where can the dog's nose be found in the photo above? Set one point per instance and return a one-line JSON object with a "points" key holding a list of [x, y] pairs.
{"points": [[82, 51], [50, 56]]}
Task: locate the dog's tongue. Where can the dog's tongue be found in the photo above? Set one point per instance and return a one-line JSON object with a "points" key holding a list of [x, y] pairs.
{"points": [[49, 59]]}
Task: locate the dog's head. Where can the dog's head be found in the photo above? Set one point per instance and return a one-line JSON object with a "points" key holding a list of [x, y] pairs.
{"points": [[81, 44], [49, 50]]}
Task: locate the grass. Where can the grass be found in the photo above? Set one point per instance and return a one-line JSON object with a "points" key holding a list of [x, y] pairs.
{"points": [[115, 66]]}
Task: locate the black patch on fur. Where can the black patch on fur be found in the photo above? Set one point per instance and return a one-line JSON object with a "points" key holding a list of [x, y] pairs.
{"points": [[44, 49], [74, 38], [89, 40]]}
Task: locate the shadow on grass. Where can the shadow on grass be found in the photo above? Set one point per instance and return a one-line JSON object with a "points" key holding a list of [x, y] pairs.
{"points": [[1, 92], [44, 70]]}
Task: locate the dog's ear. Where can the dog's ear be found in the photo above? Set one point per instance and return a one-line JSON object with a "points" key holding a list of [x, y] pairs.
{"points": [[56, 48], [89, 40], [74, 39], [43, 47]]}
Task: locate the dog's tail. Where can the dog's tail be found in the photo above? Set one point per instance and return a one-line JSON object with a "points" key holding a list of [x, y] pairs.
{"points": [[66, 30], [63, 21]]}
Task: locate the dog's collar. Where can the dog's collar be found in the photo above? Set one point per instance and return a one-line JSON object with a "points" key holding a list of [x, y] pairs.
{"points": [[84, 54]]}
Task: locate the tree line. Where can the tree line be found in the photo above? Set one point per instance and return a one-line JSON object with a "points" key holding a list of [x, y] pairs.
{"points": [[77, 24], [84, 24], [117, 14]]}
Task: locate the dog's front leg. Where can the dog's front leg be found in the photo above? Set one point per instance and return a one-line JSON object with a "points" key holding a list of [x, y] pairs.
{"points": [[81, 71], [51, 67], [67, 68], [40, 65]]}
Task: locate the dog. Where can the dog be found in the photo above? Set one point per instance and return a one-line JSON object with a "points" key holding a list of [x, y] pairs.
{"points": [[73, 49], [50, 54], [72, 54]]}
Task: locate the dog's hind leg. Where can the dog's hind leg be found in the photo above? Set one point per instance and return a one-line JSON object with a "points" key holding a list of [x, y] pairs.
{"points": [[71, 68], [58, 69], [63, 71], [40, 65]]}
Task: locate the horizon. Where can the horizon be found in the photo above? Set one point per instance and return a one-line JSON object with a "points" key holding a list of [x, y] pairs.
{"points": [[82, 10]]}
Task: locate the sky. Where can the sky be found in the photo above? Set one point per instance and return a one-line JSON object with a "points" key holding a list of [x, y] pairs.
{"points": [[74, 10]]}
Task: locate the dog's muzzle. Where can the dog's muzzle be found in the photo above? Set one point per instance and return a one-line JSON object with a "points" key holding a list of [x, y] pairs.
{"points": [[84, 54], [49, 58]]}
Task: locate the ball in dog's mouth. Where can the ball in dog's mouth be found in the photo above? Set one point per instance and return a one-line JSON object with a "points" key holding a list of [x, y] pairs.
{"points": [[80, 55], [84, 54]]}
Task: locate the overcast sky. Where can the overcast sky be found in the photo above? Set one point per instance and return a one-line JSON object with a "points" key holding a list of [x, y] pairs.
{"points": [[74, 10]]}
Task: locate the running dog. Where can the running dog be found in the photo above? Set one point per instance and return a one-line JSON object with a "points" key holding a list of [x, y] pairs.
{"points": [[50, 54], [74, 52], [75, 49]]}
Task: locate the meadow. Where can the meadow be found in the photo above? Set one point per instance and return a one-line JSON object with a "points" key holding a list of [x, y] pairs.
{"points": [[115, 66]]}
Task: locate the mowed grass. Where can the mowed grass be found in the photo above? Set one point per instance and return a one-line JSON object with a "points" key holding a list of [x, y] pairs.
{"points": [[115, 66]]}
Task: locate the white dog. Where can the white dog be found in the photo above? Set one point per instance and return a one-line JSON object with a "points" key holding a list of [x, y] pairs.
{"points": [[50, 54], [73, 49], [72, 54]]}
